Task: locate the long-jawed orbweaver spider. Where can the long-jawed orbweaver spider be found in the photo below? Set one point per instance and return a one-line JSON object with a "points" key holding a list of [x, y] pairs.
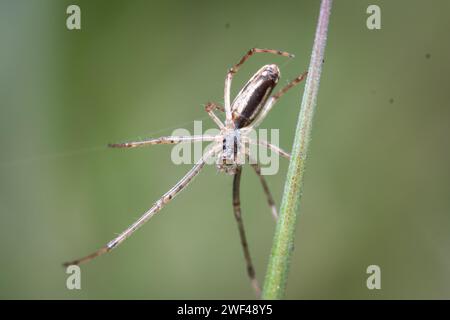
{"points": [[248, 110]]}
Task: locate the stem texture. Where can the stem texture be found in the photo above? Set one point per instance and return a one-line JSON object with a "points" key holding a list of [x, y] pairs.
{"points": [[283, 243]]}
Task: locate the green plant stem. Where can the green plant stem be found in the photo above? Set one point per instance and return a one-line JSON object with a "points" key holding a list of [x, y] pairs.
{"points": [[283, 243]]}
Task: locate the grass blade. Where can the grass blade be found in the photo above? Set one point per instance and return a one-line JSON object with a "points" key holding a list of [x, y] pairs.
{"points": [[278, 268]]}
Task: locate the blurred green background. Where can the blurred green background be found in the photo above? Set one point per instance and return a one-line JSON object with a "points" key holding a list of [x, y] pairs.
{"points": [[378, 179]]}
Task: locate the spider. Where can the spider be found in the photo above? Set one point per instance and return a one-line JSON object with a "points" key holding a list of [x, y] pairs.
{"points": [[247, 111]]}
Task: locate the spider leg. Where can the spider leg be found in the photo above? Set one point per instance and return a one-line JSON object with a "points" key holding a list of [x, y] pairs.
{"points": [[273, 99], [266, 189], [238, 216], [272, 147], [290, 85], [161, 140], [234, 69], [157, 206], [209, 108]]}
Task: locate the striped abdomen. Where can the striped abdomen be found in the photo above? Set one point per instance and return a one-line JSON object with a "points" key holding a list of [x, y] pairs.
{"points": [[251, 99]]}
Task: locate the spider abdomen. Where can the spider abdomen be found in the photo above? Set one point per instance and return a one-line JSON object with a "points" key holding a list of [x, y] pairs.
{"points": [[251, 99]]}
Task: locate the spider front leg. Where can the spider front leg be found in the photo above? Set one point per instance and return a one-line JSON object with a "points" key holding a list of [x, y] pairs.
{"points": [[272, 147], [237, 214], [162, 140], [266, 189], [234, 69], [157, 206], [255, 165]]}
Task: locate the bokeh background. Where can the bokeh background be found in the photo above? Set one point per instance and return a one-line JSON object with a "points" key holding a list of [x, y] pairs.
{"points": [[378, 179]]}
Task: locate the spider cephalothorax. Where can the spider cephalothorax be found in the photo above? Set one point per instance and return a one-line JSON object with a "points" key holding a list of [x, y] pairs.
{"points": [[232, 153], [230, 146]]}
